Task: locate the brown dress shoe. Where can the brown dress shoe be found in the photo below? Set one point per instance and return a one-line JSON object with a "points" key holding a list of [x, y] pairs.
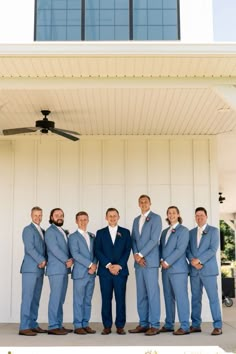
{"points": [[138, 329], [152, 331], [165, 330], [216, 332], [106, 331], [39, 330], [180, 332], [89, 330], [68, 330], [120, 331], [80, 331], [57, 331], [27, 332], [195, 329]]}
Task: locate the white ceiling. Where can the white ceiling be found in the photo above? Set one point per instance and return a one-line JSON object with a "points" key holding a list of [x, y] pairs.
{"points": [[123, 89]]}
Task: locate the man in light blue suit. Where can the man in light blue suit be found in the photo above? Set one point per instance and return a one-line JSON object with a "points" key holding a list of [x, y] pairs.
{"points": [[145, 245], [81, 244], [203, 246], [58, 268], [32, 270], [173, 246]]}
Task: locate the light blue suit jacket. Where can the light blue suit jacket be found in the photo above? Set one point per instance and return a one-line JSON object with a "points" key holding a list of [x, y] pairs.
{"points": [[57, 250], [35, 252], [148, 242], [174, 251], [206, 252], [81, 254]]}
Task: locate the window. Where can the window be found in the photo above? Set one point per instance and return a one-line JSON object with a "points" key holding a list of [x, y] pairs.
{"points": [[104, 20]]}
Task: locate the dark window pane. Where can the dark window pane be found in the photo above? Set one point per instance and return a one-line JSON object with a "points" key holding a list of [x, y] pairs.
{"points": [[107, 17], [140, 33], [44, 33], [92, 17], [59, 4], [121, 4], [58, 17], [74, 17], [122, 17], [140, 17], [74, 4], [91, 33], [107, 33], [58, 33], [122, 33], [107, 4], [154, 17], [155, 33], [170, 33], [155, 4], [169, 17], [140, 4], [91, 4], [170, 4], [44, 18], [73, 33], [44, 4]]}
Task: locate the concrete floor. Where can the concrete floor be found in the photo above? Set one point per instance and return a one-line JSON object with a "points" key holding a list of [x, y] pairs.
{"points": [[195, 343]]}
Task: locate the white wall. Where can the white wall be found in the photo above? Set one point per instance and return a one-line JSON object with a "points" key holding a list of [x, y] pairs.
{"points": [[17, 21], [92, 175]]}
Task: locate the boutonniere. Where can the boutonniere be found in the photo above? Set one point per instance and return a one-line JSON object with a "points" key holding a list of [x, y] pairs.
{"points": [[66, 232], [173, 231], [118, 234], [91, 235], [204, 232], [147, 218]]}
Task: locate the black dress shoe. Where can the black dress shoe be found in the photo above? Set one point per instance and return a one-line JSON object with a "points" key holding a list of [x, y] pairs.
{"points": [[57, 331], [27, 332], [39, 330]]}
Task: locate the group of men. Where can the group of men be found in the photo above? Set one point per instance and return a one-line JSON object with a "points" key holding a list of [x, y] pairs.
{"points": [[177, 250]]}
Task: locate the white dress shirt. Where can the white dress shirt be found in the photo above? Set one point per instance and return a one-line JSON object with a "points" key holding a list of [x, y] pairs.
{"points": [[86, 237]]}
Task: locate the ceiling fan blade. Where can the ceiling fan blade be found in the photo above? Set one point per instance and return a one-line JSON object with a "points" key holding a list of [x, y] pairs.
{"points": [[68, 131], [62, 133], [19, 131]]}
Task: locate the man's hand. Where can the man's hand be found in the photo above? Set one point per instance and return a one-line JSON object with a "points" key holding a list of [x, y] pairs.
{"points": [[114, 269], [195, 261], [92, 269], [140, 260], [69, 263], [164, 265], [42, 264]]}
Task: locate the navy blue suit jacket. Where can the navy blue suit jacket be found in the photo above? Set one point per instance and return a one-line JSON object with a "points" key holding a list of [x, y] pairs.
{"points": [[117, 253]]}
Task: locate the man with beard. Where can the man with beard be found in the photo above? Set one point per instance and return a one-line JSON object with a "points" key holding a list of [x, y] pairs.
{"points": [[58, 268]]}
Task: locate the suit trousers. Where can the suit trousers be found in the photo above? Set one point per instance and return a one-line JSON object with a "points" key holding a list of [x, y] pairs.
{"points": [[148, 296], [210, 285], [32, 284], [58, 287], [175, 287], [108, 284], [82, 298]]}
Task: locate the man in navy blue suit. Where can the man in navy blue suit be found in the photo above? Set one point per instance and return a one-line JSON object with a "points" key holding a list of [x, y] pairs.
{"points": [[58, 268], [112, 249], [32, 270]]}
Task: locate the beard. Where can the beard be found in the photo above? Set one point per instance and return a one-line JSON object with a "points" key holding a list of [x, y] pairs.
{"points": [[59, 222]]}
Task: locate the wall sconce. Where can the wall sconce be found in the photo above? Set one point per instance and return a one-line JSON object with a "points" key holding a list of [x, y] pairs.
{"points": [[221, 198]]}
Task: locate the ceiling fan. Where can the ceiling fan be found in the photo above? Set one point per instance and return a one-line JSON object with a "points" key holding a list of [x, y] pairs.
{"points": [[44, 126]]}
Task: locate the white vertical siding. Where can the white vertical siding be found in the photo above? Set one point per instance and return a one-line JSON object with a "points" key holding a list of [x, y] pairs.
{"points": [[92, 175]]}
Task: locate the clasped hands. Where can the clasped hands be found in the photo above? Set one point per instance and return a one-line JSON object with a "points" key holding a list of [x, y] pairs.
{"points": [[69, 263], [195, 262], [42, 265], [92, 269], [114, 269], [140, 260]]}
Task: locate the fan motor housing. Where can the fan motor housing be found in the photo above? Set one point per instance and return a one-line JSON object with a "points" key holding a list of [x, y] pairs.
{"points": [[45, 124]]}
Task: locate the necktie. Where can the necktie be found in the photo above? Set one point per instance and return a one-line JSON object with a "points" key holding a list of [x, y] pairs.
{"points": [[168, 235], [199, 236], [141, 222], [87, 239], [40, 231]]}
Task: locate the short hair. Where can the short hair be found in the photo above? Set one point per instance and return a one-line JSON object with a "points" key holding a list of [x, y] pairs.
{"points": [[201, 209], [36, 208], [180, 220], [80, 213], [112, 209], [51, 214], [144, 196]]}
